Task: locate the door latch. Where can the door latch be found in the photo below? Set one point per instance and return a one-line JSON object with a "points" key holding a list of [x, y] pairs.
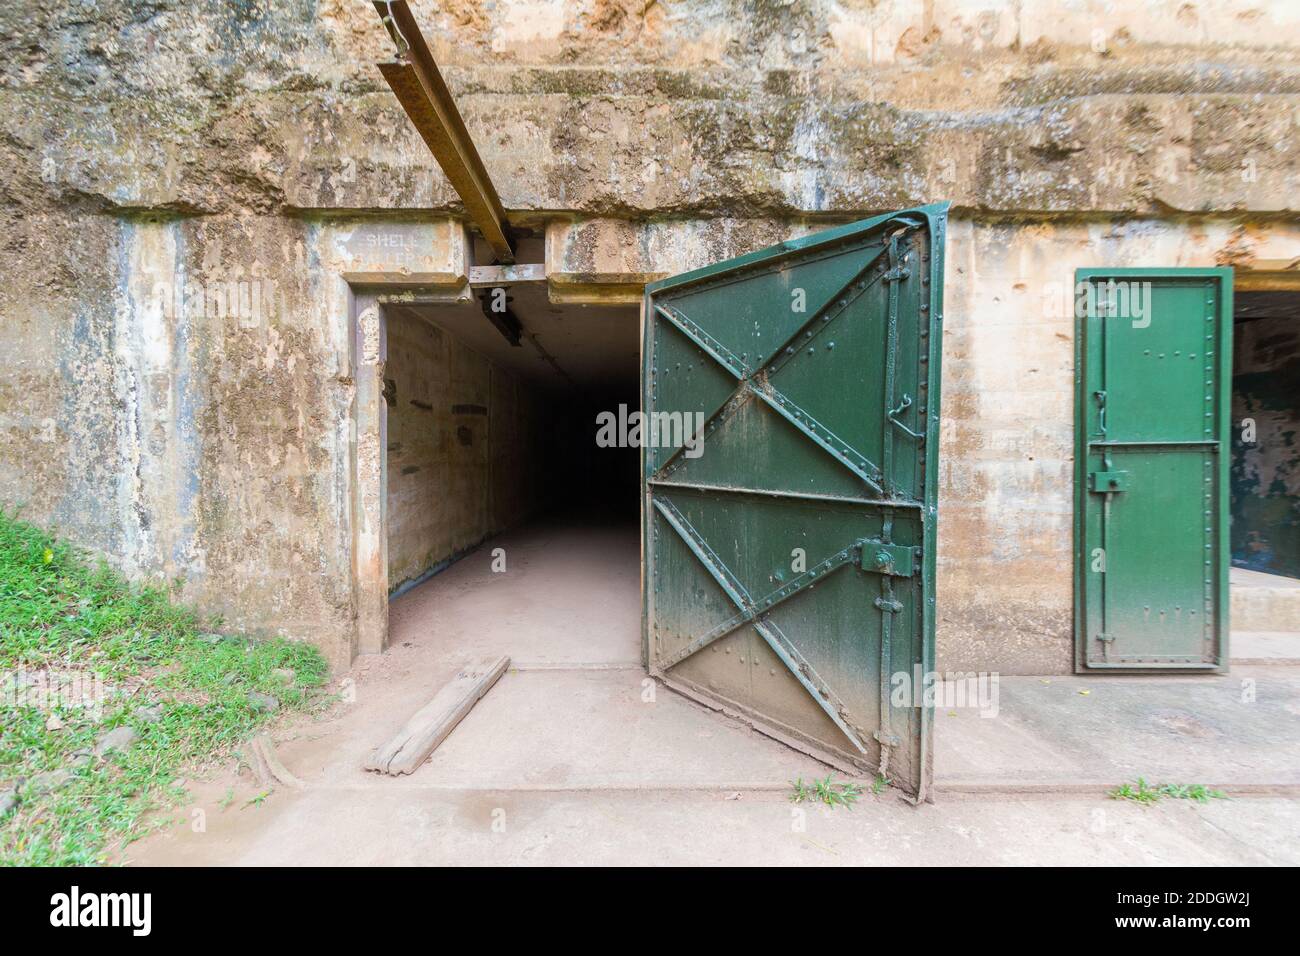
{"points": [[1108, 482], [895, 559]]}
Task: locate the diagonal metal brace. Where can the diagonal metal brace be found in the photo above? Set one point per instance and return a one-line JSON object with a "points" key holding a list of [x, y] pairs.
{"points": [[711, 346], [747, 608], [817, 688]]}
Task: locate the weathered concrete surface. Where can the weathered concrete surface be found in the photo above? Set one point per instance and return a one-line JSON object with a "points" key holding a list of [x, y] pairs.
{"points": [[551, 729], [420, 828], [1265, 602], [1063, 733], [567, 761], [558, 603], [730, 107], [1265, 647], [251, 156]]}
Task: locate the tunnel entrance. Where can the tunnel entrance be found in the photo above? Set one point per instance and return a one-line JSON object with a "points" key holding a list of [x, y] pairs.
{"points": [[503, 516], [491, 455], [1265, 467], [1266, 448]]}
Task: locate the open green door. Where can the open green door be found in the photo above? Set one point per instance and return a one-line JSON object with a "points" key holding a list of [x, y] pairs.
{"points": [[1153, 373], [793, 400]]}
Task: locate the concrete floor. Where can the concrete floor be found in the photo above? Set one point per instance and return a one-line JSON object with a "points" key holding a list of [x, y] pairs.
{"points": [[574, 757], [1264, 602]]}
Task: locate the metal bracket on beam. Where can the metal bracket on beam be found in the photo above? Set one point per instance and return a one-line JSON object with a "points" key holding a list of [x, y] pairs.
{"points": [[487, 277], [419, 87], [505, 320]]}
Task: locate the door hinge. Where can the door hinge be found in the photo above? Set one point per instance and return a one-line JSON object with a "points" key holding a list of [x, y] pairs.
{"points": [[899, 271], [896, 559]]}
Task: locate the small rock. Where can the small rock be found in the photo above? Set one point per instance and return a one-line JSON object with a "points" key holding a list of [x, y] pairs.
{"points": [[48, 782], [8, 802], [285, 674], [263, 703], [80, 758], [54, 723], [150, 715], [117, 739]]}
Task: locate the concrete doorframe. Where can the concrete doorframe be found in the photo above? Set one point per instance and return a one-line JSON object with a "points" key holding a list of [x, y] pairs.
{"points": [[368, 444], [368, 338], [373, 262]]}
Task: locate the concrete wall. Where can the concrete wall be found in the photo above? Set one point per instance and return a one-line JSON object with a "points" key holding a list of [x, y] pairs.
{"points": [[461, 432], [190, 187]]}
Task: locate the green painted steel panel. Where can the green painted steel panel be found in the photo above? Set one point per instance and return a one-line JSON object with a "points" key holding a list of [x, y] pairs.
{"points": [[790, 555], [1153, 372]]}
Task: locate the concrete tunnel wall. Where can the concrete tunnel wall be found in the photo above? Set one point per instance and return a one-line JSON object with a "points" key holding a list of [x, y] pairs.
{"points": [[181, 231], [465, 442]]}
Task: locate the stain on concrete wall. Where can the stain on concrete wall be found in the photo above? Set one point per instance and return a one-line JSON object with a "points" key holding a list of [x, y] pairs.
{"points": [[1265, 477]]}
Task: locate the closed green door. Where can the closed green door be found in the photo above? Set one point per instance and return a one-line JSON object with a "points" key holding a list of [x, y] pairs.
{"points": [[790, 524], [1153, 374]]}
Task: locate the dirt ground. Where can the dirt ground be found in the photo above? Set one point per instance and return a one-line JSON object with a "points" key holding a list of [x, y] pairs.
{"points": [[573, 758]]}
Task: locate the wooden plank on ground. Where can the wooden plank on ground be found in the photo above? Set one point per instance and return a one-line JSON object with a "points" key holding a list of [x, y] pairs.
{"points": [[431, 724], [264, 749]]}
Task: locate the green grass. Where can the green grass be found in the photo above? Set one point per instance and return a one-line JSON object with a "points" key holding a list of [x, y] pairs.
{"points": [[829, 791], [1147, 794], [60, 614]]}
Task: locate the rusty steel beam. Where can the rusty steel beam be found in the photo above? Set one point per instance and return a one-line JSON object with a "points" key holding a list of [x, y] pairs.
{"points": [[419, 87]]}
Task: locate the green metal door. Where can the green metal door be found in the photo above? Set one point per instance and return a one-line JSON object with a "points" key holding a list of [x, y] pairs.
{"points": [[1153, 374], [789, 554]]}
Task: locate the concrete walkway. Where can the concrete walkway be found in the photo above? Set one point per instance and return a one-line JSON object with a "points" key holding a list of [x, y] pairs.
{"points": [[1239, 732], [575, 757]]}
